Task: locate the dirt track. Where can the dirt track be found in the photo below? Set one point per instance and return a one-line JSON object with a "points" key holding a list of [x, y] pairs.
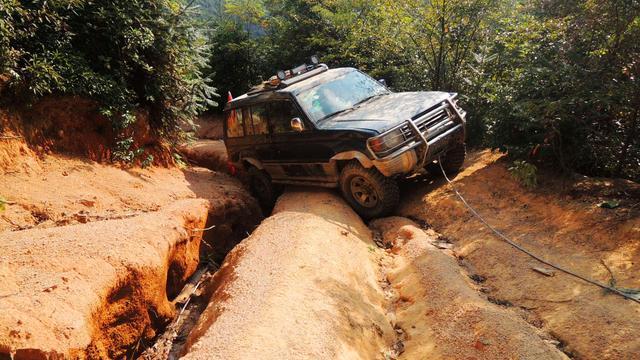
{"points": [[87, 291], [310, 283]]}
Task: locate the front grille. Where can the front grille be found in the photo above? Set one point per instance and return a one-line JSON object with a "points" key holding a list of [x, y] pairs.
{"points": [[433, 122]]}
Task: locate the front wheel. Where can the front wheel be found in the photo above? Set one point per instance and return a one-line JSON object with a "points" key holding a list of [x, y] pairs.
{"points": [[369, 193]]}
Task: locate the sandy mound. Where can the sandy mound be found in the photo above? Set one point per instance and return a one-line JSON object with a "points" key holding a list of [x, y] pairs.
{"points": [[303, 285], [311, 283], [562, 222], [65, 191], [440, 314], [88, 290]]}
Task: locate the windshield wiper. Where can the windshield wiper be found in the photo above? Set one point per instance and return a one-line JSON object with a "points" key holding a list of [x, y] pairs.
{"points": [[354, 105], [335, 113], [369, 98]]}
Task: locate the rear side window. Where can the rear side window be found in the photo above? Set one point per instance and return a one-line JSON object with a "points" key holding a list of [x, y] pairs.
{"points": [[259, 119], [280, 114], [235, 123]]}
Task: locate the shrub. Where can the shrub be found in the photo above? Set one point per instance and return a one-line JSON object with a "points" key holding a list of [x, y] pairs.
{"points": [[125, 54], [526, 173]]}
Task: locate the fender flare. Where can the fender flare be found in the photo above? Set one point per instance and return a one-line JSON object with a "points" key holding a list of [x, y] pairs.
{"points": [[352, 155]]}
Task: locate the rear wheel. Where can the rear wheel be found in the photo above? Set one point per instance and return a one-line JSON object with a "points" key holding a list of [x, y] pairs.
{"points": [[370, 193], [262, 189], [452, 161]]}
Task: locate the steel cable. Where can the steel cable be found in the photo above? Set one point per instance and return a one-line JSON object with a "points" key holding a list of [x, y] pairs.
{"points": [[522, 249]]}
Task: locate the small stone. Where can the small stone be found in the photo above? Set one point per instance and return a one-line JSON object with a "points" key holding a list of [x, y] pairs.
{"points": [[87, 203], [50, 288], [82, 217], [544, 271]]}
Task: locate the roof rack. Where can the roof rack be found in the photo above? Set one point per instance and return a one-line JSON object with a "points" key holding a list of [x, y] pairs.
{"points": [[318, 69], [285, 78]]}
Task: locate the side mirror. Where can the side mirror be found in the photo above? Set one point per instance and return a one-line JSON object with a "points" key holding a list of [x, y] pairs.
{"points": [[297, 125], [383, 82]]}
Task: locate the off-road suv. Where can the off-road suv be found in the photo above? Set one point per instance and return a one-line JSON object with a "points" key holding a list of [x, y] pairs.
{"points": [[340, 128]]}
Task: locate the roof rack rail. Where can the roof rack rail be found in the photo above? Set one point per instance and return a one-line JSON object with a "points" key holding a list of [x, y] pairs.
{"points": [[316, 70], [285, 78]]}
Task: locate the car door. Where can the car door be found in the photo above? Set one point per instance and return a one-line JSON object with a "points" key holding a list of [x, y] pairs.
{"points": [[298, 156]]}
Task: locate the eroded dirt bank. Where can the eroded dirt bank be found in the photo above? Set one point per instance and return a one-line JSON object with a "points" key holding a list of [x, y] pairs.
{"points": [[88, 290], [562, 222], [92, 254], [311, 282]]}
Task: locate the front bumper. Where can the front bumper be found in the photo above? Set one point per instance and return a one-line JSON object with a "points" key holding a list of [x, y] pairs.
{"points": [[398, 164], [426, 137]]}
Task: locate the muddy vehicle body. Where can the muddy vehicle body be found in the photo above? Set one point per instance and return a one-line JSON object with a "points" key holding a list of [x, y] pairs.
{"points": [[340, 128]]}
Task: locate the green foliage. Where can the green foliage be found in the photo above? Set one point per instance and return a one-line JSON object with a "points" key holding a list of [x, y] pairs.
{"points": [[566, 97], [526, 173], [125, 54], [557, 81], [552, 80], [238, 60]]}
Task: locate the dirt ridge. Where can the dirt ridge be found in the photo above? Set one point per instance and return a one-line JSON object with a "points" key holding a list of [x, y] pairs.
{"points": [[83, 291]]}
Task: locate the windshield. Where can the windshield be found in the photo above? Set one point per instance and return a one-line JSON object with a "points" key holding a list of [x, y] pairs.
{"points": [[339, 94]]}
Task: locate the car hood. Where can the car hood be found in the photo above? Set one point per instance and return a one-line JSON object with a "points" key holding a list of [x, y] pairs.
{"points": [[383, 113]]}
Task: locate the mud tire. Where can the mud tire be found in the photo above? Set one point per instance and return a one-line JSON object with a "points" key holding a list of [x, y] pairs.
{"points": [[262, 188], [383, 190], [452, 162]]}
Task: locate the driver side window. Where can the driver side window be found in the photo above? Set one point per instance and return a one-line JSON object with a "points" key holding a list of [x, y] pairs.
{"points": [[280, 115]]}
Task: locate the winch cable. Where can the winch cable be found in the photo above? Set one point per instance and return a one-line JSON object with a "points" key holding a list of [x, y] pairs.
{"points": [[522, 249]]}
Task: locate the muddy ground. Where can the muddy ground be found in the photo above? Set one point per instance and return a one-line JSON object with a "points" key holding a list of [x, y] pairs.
{"points": [[327, 290], [313, 281], [502, 298], [560, 220]]}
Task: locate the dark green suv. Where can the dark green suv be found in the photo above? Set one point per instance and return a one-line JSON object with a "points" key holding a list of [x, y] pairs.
{"points": [[340, 128]]}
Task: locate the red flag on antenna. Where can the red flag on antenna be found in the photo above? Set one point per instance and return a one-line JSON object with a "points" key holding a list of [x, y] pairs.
{"points": [[229, 96]]}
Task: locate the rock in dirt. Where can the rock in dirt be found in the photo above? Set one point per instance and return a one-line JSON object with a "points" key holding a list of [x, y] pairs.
{"points": [[95, 290]]}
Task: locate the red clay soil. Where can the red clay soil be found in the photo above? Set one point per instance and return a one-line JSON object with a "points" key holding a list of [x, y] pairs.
{"points": [[56, 191], [310, 283], [209, 126], [439, 311], [562, 222], [89, 291], [74, 126], [86, 250]]}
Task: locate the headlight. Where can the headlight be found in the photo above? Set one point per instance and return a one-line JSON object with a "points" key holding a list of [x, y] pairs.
{"points": [[387, 141]]}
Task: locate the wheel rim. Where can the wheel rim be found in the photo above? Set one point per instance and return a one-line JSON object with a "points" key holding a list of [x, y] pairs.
{"points": [[363, 192]]}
